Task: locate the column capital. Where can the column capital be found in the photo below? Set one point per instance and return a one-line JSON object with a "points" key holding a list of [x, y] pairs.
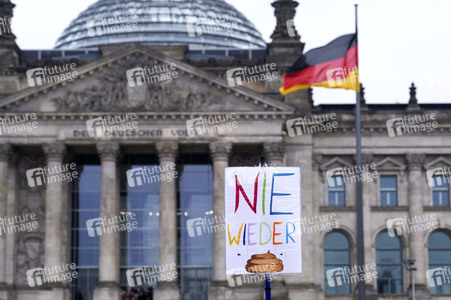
{"points": [[415, 160], [167, 150], [367, 158], [274, 152], [5, 151], [220, 150], [54, 151], [317, 160], [108, 151]]}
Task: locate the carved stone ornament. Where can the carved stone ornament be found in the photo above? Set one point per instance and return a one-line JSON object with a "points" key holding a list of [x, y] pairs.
{"points": [[110, 91], [167, 151], [220, 150], [5, 151], [54, 151], [413, 94], [108, 151], [29, 244], [285, 10], [274, 152], [317, 160], [415, 160]]}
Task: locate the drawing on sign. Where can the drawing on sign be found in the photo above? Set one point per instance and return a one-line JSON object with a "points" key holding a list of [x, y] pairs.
{"points": [[266, 234], [264, 263]]}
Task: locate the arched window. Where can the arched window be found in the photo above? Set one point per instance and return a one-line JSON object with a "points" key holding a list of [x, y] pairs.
{"points": [[336, 259], [389, 264], [439, 273]]}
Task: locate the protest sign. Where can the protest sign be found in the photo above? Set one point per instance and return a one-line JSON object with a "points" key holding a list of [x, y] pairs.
{"points": [[265, 206]]}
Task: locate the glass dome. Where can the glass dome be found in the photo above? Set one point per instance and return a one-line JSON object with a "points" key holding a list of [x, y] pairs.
{"points": [[197, 23]]}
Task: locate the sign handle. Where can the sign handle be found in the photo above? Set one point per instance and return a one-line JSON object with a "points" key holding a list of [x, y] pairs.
{"points": [[263, 161], [268, 287], [267, 276]]}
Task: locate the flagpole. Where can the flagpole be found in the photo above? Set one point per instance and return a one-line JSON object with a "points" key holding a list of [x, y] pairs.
{"points": [[359, 204]]}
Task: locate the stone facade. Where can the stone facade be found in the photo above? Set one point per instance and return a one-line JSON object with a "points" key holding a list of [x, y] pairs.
{"points": [[201, 90]]}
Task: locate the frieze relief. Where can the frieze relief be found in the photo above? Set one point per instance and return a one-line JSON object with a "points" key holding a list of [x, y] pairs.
{"points": [[110, 91]]}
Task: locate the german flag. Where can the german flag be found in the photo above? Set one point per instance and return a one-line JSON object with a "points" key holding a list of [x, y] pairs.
{"points": [[331, 66]]}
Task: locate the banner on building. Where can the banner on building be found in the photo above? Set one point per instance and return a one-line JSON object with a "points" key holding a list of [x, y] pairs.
{"points": [[263, 213]]}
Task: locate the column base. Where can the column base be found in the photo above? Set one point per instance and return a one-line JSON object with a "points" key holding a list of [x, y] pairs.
{"points": [[167, 291], [421, 292], [5, 292], [107, 290], [302, 291], [221, 290], [62, 293], [370, 293]]}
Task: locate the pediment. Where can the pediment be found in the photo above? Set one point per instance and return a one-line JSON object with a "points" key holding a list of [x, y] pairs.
{"points": [[104, 86], [439, 162], [335, 162], [390, 163]]}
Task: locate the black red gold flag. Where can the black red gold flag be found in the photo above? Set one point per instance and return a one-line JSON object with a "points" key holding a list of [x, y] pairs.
{"points": [[332, 66]]}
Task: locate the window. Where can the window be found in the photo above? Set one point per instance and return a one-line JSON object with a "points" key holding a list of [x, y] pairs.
{"points": [[388, 185], [195, 211], [139, 247], [336, 185], [440, 190], [85, 247], [389, 264], [336, 256], [439, 263]]}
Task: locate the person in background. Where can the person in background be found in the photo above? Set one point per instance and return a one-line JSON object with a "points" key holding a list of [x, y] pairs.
{"points": [[133, 295], [124, 294], [141, 294], [150, 293]]}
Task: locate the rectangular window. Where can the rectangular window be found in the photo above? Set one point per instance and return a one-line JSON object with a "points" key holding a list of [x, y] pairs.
{"points": [[85, 241], [197, 224], [389, 190], [140, 195], [440, 190], [336, 186]]}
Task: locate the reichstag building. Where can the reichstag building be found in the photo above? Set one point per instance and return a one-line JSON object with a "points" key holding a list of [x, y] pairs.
{"points": [[109, 128]]}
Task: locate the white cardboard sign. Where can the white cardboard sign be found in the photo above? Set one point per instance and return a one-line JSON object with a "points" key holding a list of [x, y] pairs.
{"points": [[263, 212]]}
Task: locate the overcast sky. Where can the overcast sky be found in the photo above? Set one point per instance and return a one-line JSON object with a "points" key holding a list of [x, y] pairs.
{"points": [[399, 41]]}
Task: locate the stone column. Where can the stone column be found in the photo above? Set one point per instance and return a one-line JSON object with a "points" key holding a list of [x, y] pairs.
{"points": [[300, 286], [220, 152], [416, 244], [369, 192], [53, 206], [274, 153], [11, 204], [108, 285], [317, 201], [54, 198], [5, 151], [167, 289]]}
